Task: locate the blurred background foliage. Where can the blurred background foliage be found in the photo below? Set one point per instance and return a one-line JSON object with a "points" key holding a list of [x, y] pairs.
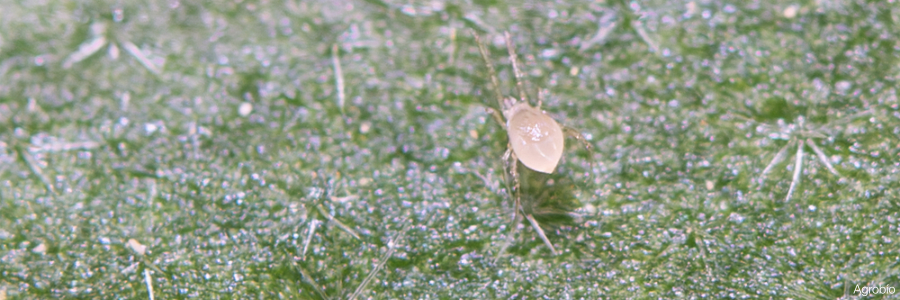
{"points": [[212, 149]]}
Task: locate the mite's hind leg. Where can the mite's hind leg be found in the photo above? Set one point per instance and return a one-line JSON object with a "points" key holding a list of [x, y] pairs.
{"points": [[512, 166], [518, 205], [511, 162], [572, 133]]}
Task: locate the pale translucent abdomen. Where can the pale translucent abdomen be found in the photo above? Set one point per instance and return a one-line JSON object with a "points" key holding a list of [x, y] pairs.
{"points": [[537, 139]]}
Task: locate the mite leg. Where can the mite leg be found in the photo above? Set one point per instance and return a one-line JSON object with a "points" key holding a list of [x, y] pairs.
{"points": [[515, 64], [497, 116], [517, 186], [509, 157], [573, 133], [495, 83], [518, 205]]}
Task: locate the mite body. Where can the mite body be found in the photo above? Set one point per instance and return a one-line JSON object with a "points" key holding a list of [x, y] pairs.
{"points": [[535, 139]]}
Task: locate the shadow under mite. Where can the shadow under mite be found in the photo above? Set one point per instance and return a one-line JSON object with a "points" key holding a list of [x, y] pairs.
{"points": [[548, 197]]}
